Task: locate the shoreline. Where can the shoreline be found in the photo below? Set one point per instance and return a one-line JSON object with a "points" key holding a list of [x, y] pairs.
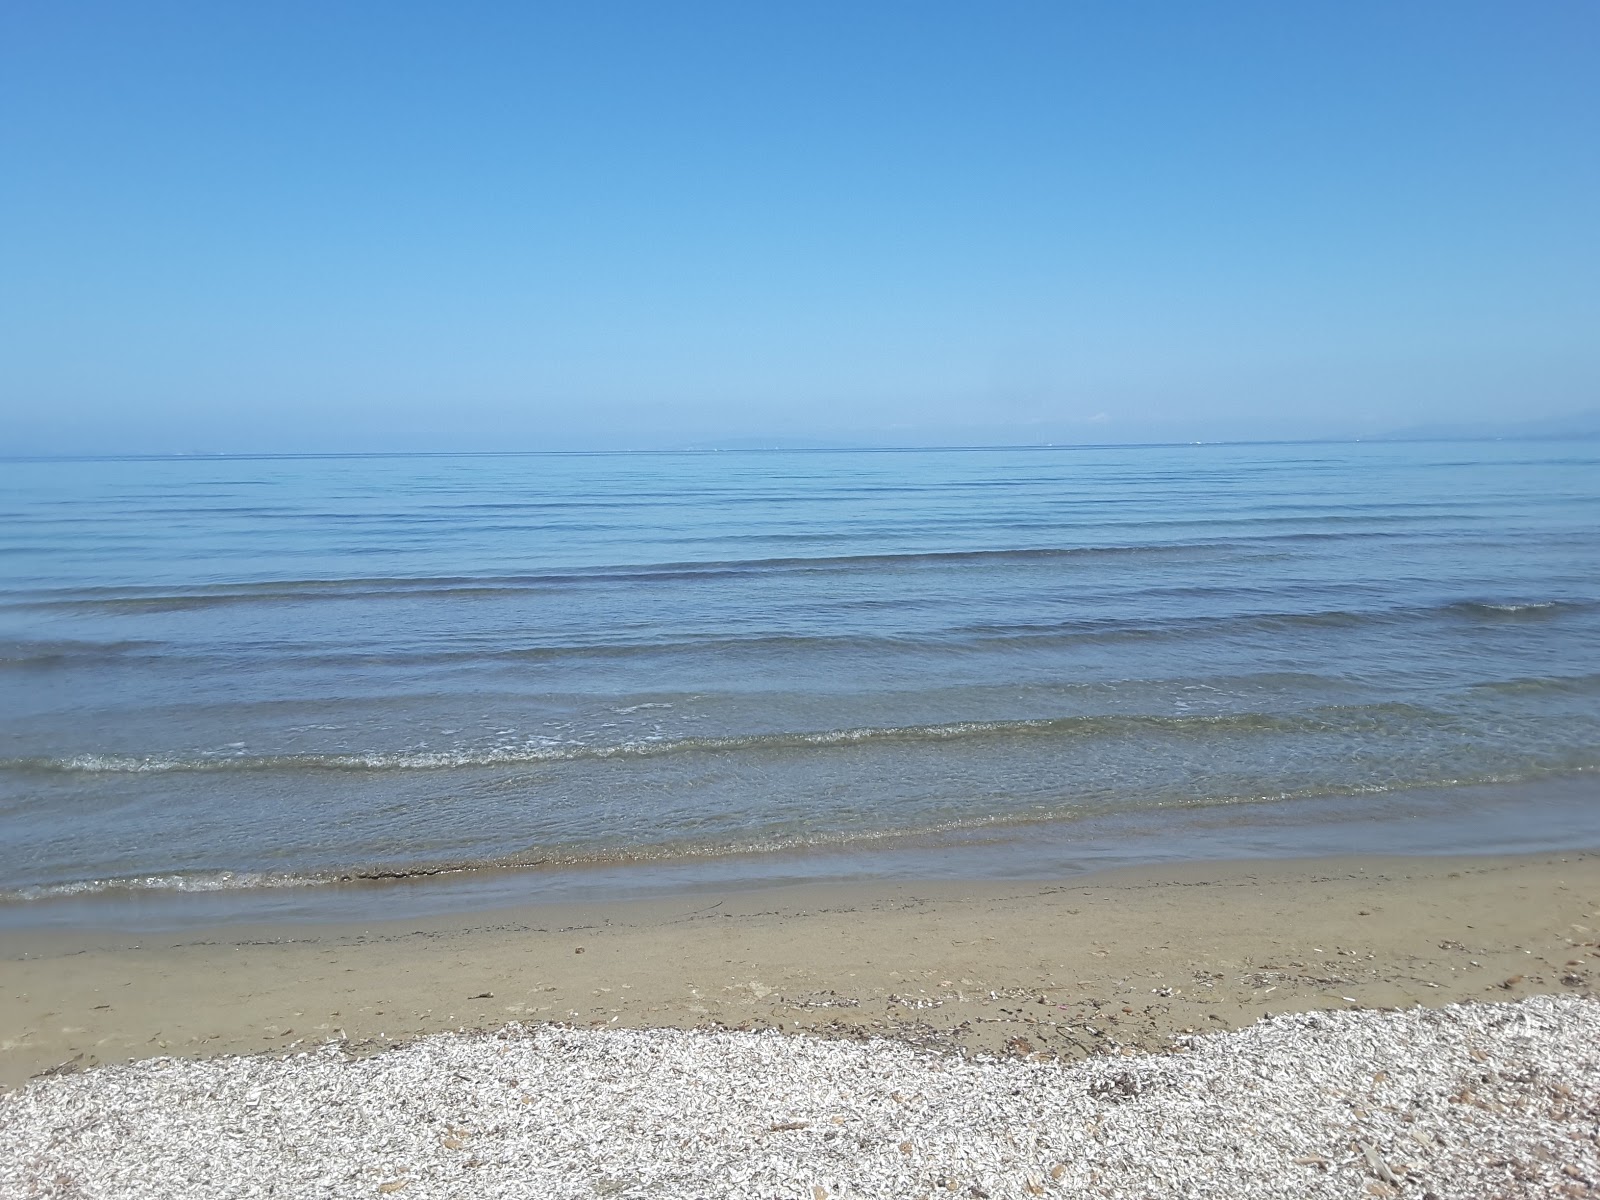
{"points": [[1462, 820], [1122, 959]]}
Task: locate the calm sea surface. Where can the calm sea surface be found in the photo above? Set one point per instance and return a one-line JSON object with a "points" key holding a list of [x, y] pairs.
{"points": [[219, 674]]}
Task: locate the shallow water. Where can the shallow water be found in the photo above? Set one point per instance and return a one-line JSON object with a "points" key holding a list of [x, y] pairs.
{"points": [[218, 673]]}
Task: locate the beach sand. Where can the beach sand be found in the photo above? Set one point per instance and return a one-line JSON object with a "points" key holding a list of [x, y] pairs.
{"points": [[1114, 962]]}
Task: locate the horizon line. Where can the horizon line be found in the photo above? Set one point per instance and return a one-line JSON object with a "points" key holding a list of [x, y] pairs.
{"points": [[183, 455]]}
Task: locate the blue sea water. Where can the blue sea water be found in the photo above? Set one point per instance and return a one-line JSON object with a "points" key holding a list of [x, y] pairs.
{"points": [[228, 673]]}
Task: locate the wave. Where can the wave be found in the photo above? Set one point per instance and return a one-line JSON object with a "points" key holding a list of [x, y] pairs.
{"points": [[1327, 719], [1535, 609], [1535, 684], [464, 586], [1002, 637], [26, 654], [173, 881], [995, 826]]}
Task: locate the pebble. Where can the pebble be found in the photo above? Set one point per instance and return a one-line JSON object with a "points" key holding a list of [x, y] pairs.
{"points": [[1473, 1101]]}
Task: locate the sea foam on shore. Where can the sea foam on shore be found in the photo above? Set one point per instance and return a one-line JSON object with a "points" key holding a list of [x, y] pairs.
{"points": [[1468, 1101]]}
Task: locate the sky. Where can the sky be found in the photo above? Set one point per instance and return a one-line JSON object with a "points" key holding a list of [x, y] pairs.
{"points": [[389, 226]]}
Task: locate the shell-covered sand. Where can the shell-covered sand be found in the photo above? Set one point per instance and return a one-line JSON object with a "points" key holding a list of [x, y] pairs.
{"points": [[1470, 1101]]}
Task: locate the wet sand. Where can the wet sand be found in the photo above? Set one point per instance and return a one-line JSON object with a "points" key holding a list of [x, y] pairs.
{"points": [[1100, 963]]}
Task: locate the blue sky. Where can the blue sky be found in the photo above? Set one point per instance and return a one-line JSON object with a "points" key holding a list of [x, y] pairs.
{"points": [[368, 226]]}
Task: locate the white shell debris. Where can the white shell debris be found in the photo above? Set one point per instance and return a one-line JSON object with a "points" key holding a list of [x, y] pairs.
{"points": [[1468, 1101]]}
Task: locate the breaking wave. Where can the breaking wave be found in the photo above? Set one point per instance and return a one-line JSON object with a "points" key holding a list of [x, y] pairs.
{"points": [[1332, 718]]}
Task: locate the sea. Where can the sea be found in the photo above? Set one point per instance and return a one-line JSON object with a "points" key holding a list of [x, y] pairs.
{"points": [[345, 687]]}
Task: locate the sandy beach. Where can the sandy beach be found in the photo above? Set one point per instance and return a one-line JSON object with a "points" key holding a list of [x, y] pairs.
{"points": [[1121, 961], [800, 602]]}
